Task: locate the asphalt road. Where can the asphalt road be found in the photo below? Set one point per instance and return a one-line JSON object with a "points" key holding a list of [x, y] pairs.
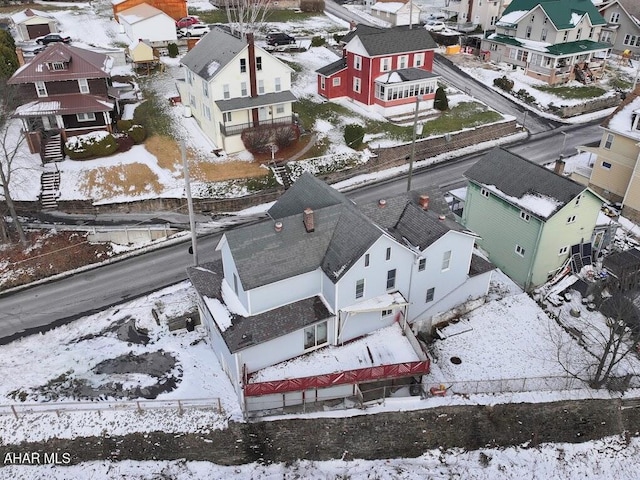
{"points": [[53, 303]]}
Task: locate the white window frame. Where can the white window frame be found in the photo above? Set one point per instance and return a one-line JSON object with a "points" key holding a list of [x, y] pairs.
{"points": [[571, 219], [277, 85], [431, 294], [280, 109], [422, 264], [226, 117], [391, 279], [313, 330], [385, 64], [608, 142], [86, 117], [260, 87], [356, 84], [336, 81], [322, 83], [83, 85], [244, 89], [360, 283], [525, 216], [606, 165], [446, 261], [207, 111], [226, 92], [615, 17], [520, 251], [386, 313], [41, 89], [367, 260], [357, 62], [243, 65], [403, 61], [563, 250], [418, 60], [205, 88], [388, 254], [484, 192]]}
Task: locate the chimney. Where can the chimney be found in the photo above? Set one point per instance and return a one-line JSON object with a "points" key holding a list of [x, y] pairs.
{"points": [[441, 217], [382, 203], [424, 202], [308, 220], [559, 166], [278, 226], [352, 25], [20, 56], [253, 82]]}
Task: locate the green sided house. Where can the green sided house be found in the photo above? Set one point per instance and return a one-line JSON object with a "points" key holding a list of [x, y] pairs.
{"points": [[529, 218]]}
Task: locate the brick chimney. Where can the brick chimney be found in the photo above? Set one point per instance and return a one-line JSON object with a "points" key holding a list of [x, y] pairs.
{"points": [[253, 81], [308, 220], [424, 202], [20, 56], [559, 166]]}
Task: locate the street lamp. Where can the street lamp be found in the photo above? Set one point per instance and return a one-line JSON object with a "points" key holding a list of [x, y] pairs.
{"points": [[413, 142], [564, 142]]}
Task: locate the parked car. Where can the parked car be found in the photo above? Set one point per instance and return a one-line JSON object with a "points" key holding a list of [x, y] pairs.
{"points": [[187, 22], [275, 39], [435, 26], [195, 30], [52, 38]]}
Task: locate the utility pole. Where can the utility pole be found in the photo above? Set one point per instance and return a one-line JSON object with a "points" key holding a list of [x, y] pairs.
{"points": [[187, 188]]}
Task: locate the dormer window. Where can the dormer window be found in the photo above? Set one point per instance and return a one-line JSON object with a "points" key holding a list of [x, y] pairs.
{"points": [[57, 66]]}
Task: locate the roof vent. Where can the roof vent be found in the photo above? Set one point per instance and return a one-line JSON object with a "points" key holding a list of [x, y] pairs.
{"points": [[424, 202], [278, 226], [441, 217], [382, 203]]}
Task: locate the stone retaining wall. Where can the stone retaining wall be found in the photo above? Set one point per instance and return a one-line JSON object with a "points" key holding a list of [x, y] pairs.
{"points": [[379, 436]]}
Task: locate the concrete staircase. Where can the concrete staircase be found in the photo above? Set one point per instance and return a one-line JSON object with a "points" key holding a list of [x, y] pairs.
{"points": [[50, 191]]}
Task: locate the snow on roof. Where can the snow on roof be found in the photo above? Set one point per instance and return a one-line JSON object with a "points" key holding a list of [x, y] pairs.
{"points": [[219, 313], [381, 302], [383, 347], [139, 13], [23, 15], [231, 300], [621, 121], [38, 107], [391, 7], [212, 68], [575, 18], [537, 204], [512, 18], [391, 77], [460, 193]]}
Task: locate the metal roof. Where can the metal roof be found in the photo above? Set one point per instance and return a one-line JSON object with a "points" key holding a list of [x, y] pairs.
{"points": [[560, 12], [68, 104]]}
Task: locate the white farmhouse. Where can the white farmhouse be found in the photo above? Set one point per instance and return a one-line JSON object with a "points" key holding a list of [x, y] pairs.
{"points": [[397, 13], [236, 91], [144, 22], [323, 272]]}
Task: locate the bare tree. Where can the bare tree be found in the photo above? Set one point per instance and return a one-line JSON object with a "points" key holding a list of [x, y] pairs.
{"points": [[606, 347], [10, 144], [246, 15]]}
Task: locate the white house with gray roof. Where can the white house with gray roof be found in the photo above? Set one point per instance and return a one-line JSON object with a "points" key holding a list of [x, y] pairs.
{"points": [[324, 271], [235, 90]]}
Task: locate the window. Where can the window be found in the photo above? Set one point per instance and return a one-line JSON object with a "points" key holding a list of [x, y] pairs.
{"points": [[527, 32], [391, 279], [385, 64], [41, 89], [608, 141], [360, 288], [632, 40], [430, 293], [336, 82], [533, 18], [543, 35], [446, 260], [571, 219], [366, 259], [225, 92], [520, 250], [606, 165], [189, 77], [422, 264], [86, 117], [357, 62], [615, 17], [403, 61], [243, 89], [277, 85], [388, 253], [525, 216], [356, 84], [591, 32], [205, 88], [386, 313], [280, 108], [315, 335], [207, 111], [563, 250], [260, 87], [243, 65], [258, 63], [578, 198], [493, 47], [565, 37], [57, 66], [192, 100], [235, 283], [418, 59], [226, 117], [578, 34], [484, 192], [84, 85]]}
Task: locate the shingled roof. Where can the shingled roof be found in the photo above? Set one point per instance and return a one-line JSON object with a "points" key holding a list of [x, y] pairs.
{"points": [[387, 41], [562, 13], [212, 52], [516, 177], [342, 234]]}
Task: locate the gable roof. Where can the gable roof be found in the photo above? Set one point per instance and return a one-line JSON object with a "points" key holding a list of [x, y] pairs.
{"points": [[139, 13], [213, 52], [30, 13], [388, 41], [81, 64], [343, 232], [620, 121], [631, 7], [564, 14], [526, 184], [333, 67]]}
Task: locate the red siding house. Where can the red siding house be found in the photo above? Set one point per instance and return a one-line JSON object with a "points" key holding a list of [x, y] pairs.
{"points": [[386, 68], [64, 91]]}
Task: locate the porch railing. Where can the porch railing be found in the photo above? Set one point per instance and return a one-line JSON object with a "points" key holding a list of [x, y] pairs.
{"points": [[229, 130]]}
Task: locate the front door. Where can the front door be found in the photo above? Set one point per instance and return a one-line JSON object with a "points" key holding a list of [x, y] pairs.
{"points": [[50, 122], [263, 114]]}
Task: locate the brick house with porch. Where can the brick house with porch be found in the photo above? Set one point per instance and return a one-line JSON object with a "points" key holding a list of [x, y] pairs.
{"points": [[64, 91]]}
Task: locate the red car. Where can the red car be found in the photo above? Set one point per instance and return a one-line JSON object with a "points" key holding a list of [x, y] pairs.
{"points": [[185, 22]]}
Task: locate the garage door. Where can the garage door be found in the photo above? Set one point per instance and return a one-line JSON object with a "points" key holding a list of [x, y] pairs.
{"points": [[36, 31]]}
